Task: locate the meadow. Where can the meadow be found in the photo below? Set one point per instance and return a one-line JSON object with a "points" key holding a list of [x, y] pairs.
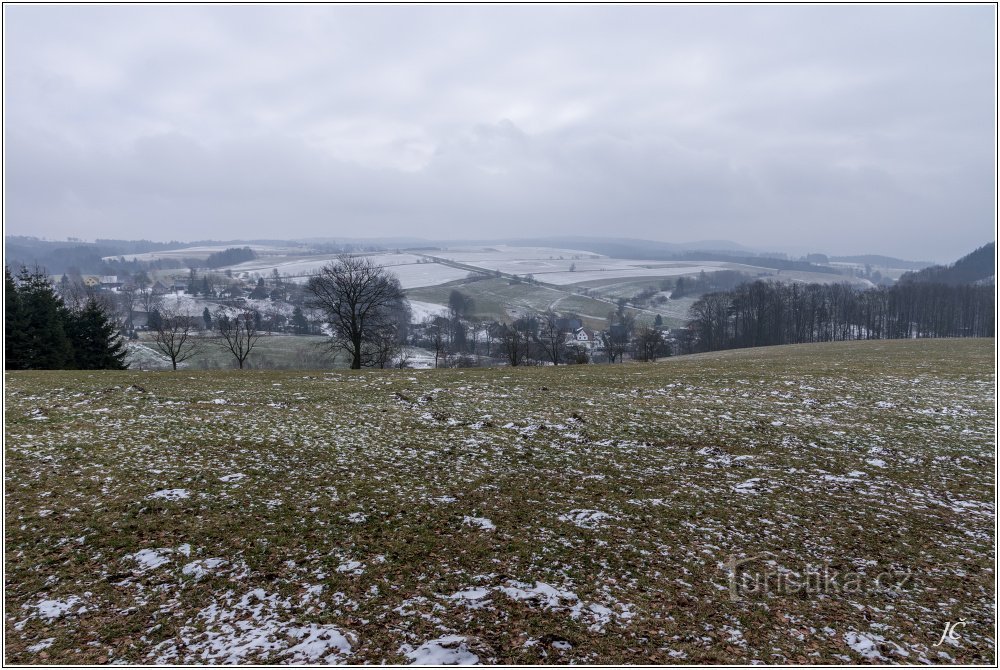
{"points": [[635, 513]]}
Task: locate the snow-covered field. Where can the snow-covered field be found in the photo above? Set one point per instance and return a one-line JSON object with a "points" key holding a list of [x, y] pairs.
{"points": [[583, 514], [412, 271], [426, 274], [563, 267], [421, 311], [304, 265]]}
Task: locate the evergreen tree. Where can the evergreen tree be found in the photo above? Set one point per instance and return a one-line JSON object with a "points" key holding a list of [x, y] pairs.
{"points": [[43, 319], [260, 291], [96, 342], [299, 322], [207, 318], [14, 326], [42, 334], [154, 319]]}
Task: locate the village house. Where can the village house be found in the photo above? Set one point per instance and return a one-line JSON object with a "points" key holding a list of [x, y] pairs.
{"points": [[582, 338]]}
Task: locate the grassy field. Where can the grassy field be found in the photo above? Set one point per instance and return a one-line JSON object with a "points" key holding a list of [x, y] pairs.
{"points": [[639, 513], [270, 351], [500, 299]]}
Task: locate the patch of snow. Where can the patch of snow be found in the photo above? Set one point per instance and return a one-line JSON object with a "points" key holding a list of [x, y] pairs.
{"points": [[585, 518], [544, 594], [421, 311], [149, 559], [351, 568], [41, 645], [479, 521], [749, 486], [865, 644], [53, 609], [446, 650], [171, 494], [473, 598], [202, 567]]}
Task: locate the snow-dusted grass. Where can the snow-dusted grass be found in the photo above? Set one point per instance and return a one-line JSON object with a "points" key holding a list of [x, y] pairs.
{"points": [[549, 515]]}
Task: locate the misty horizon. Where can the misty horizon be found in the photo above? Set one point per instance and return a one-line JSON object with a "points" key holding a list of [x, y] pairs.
{"points": [[838, 130]]}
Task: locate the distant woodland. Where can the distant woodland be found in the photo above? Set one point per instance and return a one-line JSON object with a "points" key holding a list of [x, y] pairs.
{"points": [[941, 301]]}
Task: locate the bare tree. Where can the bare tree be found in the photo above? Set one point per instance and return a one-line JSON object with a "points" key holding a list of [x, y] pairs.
{"points": [[402, 361], [386, 347], [238, 334], [552, 337], [616, 338], [149, 299], [128, 298], [515, 340], [175, 336], [437, 329], [360, 299], [648, 343], [75, 294]]}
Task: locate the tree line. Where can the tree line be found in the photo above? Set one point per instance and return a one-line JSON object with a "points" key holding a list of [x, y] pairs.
{"points": [[763, 313], [42, 333], [231, 256], [459, 340]]}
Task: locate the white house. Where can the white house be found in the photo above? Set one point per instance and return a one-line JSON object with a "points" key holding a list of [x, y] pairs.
{"points": [[581, 337]]}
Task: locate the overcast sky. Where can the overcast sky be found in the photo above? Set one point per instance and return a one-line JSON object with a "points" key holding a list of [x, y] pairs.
{"points": [[839, 129]]}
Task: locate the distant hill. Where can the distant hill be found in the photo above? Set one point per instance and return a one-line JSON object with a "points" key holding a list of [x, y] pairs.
{"points": [[60, 256], [979, 266], [617, 247], [882, 261]]}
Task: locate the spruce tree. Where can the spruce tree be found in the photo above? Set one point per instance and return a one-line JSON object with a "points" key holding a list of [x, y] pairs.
{"points": [[14, 334], [299, 322], [46, 344], [42, 334], [96, 342], [154, 319]]}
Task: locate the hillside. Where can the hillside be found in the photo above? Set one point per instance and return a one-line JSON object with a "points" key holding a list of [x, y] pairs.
{"points": [[978, 266], [593, 514]]}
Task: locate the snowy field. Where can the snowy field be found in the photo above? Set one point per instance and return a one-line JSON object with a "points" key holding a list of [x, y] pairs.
{"points": [[304, 265], [411, 273], [563, 267], [426, 274], [590, 514], [421, 311]]}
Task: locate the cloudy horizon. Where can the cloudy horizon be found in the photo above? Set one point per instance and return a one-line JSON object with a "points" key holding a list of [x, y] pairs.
{"points": [[833, 129]]}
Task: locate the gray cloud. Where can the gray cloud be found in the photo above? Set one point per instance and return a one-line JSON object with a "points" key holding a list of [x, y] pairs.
{"points": [[843, 129]]}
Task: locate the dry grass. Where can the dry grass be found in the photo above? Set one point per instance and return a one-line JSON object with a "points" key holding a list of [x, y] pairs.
{"points": [[618, 497]]}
